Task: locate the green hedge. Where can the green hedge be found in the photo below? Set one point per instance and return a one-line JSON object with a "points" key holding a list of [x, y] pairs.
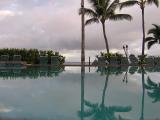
{"points": [[106, 55], [31, 55]]}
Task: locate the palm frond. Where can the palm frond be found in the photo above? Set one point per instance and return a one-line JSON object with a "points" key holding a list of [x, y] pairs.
{"points": [[107, 3], [151, 95], [152, 31], [148, 87], [112, 7], [89, 104], [92, 20], [155, 31], [151, 43], [156, 26], [149, 39], [121, 17], [151, 83], [88, 12], [156, 99], [93, 1], [86, 113], [156, 2], [128, 3], [120, 109]]}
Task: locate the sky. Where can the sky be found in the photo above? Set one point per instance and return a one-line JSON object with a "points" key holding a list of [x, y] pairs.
{"points": [[56, 25]]}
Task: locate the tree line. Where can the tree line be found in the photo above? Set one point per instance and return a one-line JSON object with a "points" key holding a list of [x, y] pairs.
{"points": [[31, 55]]}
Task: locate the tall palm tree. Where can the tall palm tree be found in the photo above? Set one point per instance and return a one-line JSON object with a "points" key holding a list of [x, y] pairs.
{"points": [[82, 34], [142, 4], [102, 11], [155, 32]]}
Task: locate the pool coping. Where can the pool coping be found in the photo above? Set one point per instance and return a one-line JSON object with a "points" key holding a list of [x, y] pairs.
{"points": [[72, 64], [87, 65]]}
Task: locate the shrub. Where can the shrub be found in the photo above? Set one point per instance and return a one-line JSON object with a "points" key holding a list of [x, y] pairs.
{"points": [[106, 55]]}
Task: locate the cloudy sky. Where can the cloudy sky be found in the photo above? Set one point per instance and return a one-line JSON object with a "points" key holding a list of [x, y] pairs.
{"points": [[55, 24]]}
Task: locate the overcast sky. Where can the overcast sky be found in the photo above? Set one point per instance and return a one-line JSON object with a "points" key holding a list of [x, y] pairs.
{"points": [[55, 24]]}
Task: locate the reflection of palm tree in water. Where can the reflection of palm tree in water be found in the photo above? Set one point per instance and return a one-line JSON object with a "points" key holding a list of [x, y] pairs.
{"points": [[102, 112], [143, 93], [82, 91], [125, 78], [153, 90]]}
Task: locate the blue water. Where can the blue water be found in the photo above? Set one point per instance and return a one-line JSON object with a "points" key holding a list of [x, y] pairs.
{"points": [[66, 94]]}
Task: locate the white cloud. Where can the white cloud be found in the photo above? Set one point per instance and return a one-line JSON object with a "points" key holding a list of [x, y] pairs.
{"points": [[8, 13], [5, 13]]}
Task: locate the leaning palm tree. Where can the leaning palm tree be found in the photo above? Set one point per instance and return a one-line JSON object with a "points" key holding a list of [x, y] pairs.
{"points": [[155, 32], [102, 11], [142, 4]]}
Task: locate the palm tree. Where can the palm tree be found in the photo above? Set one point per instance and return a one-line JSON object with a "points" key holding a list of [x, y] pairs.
{"points": [[82, 34], [102, 11], [156, 36], [142, 4], [153, 90]]}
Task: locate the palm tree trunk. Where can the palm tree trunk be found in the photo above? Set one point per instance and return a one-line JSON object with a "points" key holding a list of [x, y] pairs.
{"points": [[82, 34], [105, 37], [143, 28]]}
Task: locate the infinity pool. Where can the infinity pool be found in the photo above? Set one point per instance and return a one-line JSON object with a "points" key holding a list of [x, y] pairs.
{"points": [[67, 94]]}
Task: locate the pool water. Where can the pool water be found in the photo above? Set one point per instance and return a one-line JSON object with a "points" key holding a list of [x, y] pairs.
{"points": [[72, 93]]}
